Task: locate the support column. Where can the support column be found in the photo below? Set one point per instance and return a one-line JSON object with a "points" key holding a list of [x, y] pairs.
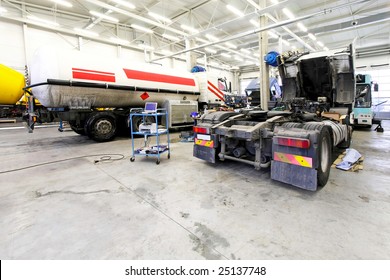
{"points": [[190, 56], [263, 49]]}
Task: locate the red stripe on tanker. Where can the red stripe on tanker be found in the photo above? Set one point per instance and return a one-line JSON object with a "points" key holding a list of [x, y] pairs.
{"points": [[217, 92], [154, 77], [48, 64], [93, 75]]}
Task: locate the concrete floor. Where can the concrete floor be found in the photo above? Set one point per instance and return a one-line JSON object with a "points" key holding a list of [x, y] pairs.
{"points": [[183, 208]]}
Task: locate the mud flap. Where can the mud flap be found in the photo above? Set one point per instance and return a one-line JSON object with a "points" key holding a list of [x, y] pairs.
{"points": [[205, 153], [299, 176]]}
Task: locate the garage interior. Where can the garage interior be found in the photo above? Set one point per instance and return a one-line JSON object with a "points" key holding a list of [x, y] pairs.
{"points": [[65, 196]]}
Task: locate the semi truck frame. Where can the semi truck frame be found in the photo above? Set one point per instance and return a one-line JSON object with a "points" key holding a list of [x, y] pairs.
{"points": [[297, 139]]}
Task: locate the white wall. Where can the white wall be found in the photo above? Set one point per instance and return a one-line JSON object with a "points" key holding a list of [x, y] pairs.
{"points": [[12, 46], [19, 43]]}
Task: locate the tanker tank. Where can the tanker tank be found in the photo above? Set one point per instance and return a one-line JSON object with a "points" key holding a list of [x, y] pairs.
{"points": [[77, 80], [11, 85]]}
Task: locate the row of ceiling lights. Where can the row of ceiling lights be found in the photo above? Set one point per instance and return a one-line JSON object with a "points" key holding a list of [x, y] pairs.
{"points": [[187, 28]]}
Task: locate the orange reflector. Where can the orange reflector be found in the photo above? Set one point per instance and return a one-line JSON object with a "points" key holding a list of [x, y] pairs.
{"points": [[200, 142], [294, 159], [292, 142]]}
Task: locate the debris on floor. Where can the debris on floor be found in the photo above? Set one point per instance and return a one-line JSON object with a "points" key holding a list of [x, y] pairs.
{"points": [[349, 160], [187, 136]]}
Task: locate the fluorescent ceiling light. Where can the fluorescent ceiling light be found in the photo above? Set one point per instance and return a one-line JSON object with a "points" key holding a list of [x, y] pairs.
{"points": [[311, 36], [288, 13], [235, 10], [166, 52], [272, 34], [285, 42], [274, 1], [238, 58], [226, 55], [119, 41], [63, 3], [231, 45], [210, 50], [3, 10], [302, 27], [147, 30], [146, 47], [43, 20], [325, 49], [157, 16], [86, 32], [320, 44], [96, 14], [245, 51], [170, 37], [255, 22], [211, 37], [124, 3], [189, 28], [202, 40]]}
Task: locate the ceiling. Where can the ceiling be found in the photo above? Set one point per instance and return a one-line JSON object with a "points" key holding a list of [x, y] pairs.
{"points": [[334, 24]]}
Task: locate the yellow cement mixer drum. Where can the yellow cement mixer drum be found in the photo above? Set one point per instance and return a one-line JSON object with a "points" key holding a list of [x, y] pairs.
{"points": [[11, 85]]}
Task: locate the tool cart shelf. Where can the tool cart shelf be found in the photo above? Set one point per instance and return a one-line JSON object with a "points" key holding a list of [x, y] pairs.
{"points": [[148, 130]]}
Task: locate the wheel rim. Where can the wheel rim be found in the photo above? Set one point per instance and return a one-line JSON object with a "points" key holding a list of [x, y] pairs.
{"points": [[103, 126], [324, 154]]}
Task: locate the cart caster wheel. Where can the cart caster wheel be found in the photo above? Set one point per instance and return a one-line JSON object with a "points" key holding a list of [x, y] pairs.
{"points": [[158, 162], [132, 159], [169, 156]]}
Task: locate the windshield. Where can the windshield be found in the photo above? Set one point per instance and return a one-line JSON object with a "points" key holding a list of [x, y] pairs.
{"points": [[363, 96]]}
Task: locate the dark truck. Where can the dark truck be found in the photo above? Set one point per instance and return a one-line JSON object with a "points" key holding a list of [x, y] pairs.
{"points": [[295, 139]]}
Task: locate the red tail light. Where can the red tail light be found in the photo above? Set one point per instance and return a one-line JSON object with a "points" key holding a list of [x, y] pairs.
{"points": [[292, 142], [198, 129]]}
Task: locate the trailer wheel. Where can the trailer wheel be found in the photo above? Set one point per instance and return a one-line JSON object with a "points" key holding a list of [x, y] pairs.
{"points": [[79, 129], [324, 157], [101, 127]]}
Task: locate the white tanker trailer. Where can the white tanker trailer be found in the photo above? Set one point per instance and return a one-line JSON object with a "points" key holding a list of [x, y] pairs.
{"points": [[95, 94]]}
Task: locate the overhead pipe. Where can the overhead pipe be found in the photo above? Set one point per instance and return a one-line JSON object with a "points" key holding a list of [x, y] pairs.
{"points": [[275, 25]]}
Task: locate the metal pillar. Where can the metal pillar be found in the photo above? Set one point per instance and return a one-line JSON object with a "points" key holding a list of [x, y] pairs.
{"points": [[263, 49]]}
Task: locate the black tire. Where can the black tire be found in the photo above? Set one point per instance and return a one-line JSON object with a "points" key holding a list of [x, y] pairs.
{"points": [[324, 157], [132, 159], [158, 162], [101, 127], [79, 129], [346, 143], [292, 125]]}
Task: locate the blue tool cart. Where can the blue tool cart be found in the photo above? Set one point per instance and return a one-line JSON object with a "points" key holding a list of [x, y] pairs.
{"points": [[147, 130]]}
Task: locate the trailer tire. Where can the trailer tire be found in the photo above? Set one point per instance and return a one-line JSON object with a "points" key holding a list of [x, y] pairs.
{"points": [[79, 129], [324, 157], [101, 127]]}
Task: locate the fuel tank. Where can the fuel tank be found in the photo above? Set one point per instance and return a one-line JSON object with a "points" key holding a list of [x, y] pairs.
{"points": [[75, 79], [11, 85]]}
